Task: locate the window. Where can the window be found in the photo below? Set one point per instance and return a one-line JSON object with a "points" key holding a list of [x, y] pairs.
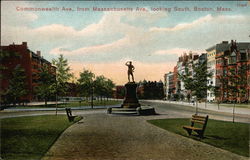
{"points": [[243, 56], [232, 58], [225, 62]]}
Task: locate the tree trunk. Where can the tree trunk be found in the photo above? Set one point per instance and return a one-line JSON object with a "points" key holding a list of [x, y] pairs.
{"points": [[45, 100], [218, 103], [92, 98], [14, 102], [56, 105], [233, 111], [196, 110]]}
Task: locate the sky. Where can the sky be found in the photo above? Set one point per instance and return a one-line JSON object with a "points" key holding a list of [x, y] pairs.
{"points": [[152, 37]]}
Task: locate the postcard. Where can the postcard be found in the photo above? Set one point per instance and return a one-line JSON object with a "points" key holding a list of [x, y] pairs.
{"points": [[129, 75]]}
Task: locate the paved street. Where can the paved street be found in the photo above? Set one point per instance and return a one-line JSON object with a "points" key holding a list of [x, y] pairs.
{"points": [[174, 110], [209, 106]]}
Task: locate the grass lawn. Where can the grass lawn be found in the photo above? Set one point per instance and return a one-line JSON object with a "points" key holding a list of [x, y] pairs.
{"points": [[30, 137], [230, 136], [71, 104]]}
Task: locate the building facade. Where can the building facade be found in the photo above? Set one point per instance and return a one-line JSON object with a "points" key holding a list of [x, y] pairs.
{"points": [[150, 90], [31, 63], [221, 59], [185, 61], [169, 85], [232, 62], [211, 52]]}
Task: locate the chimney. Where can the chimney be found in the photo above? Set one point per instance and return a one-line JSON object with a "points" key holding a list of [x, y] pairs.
{"points": [[24, 44], [38, 53]]}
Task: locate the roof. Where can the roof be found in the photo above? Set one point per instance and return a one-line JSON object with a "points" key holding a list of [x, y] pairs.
{"points": [[226, 46], [34, 55]]}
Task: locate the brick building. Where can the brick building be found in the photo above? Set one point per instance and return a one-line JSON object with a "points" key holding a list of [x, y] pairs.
{"points": [[233, 57], [248, 72], [31, 62], [150, 90]]}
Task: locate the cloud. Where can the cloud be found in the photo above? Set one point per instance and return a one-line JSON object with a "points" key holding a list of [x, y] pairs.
{"points": [[150, 46], [92, 49], [183, 26], [176, 51], [56, 30], [143, 19]]}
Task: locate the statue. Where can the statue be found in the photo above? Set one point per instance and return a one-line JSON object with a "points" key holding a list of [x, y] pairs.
{"points": [[131, 69]]}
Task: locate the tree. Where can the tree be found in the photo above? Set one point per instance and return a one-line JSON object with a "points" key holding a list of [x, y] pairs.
{"points": [[197, 83], [176, 97], [63, 74], [17, 85], [86, 84], [242, 83], [4, 57], [217, 92], [100, 88], [232, 86], [188, 97], [90, 85], [45, 88], [237, 84], [109, 85], [187, 79], [220, 88]]}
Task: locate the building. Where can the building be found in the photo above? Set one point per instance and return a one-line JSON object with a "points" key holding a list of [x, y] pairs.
{"points": [[169, 85], [150, 90], [31, 62], [221, 59], [174, 87], [185, 61], [176, 82], [211, 65], [248, 72], [233, 57]]}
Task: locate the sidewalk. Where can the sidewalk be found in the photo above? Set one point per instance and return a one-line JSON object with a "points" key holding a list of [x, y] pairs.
{"points": [[208, 106], [109, 137]]}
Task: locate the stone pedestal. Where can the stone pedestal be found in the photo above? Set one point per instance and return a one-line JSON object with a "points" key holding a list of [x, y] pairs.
{"points": [[131, 100], [131, 105]]}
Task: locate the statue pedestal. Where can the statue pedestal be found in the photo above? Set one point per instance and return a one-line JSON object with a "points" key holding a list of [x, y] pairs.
{"points": [[131, 100], [131, 105]]}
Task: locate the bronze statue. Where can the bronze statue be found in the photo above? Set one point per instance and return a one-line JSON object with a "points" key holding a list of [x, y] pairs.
{"points": [[131, 69]]}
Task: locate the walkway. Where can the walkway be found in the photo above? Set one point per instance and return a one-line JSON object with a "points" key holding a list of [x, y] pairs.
{"points": [[116, 137]]}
